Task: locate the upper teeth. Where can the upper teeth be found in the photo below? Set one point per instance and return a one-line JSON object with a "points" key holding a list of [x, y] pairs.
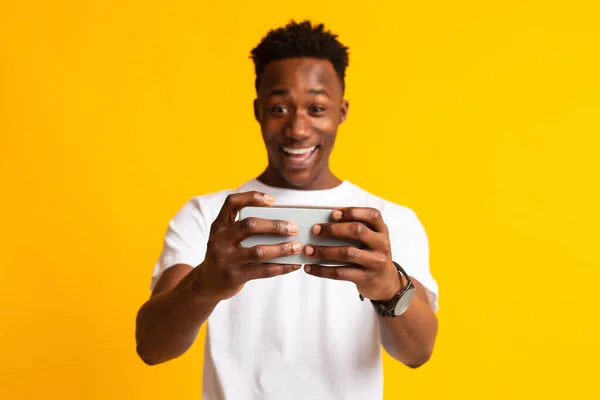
{"points": [[305, 150]]}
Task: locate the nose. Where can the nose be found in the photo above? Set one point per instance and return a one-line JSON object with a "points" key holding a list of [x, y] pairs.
{"points": [[298, 127]]}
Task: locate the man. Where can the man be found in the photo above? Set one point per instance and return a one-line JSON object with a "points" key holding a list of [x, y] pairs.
{"points": [[276, 331]]}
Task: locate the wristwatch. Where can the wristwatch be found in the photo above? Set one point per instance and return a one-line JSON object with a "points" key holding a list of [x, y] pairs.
{"points": [[400, 302]]}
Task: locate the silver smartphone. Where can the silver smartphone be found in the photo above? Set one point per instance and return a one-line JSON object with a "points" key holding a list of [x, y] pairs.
{"points": [[303, 216]]}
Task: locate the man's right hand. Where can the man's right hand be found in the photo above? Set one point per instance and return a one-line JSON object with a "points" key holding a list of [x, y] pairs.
{"points": [[228, 265]]}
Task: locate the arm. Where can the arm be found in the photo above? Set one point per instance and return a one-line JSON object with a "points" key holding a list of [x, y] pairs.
{"points": [[169, 322], [184, 297], [410, 337]]}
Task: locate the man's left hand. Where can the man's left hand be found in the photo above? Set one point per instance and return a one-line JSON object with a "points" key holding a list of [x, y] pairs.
{"points": [[372, 269]]}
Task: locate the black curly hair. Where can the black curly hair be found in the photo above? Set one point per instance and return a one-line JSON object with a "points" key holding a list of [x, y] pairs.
{"points": [[300, 39]]}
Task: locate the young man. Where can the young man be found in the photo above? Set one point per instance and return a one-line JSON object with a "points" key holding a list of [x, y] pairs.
{"points": [[278, 331]]}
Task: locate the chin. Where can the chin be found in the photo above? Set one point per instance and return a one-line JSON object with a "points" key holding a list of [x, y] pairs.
{"points": [[299, 179]]}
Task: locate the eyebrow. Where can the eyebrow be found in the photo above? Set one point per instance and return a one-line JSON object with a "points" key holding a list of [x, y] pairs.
{"points": [[283, 92], [318, 91], [278, 92]]}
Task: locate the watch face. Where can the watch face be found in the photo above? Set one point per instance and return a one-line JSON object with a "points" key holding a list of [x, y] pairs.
{"points": [[404, 301]]}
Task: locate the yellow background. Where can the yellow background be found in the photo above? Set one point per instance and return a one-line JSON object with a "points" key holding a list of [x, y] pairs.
{"points": [[483, 117]]}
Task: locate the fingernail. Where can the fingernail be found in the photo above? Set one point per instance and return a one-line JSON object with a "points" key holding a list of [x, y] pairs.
{"points": [[268, 198], [316, 229], [297, 266], [309, 250], [336, 214], [292, 228], [296, 247], [307, 268]]}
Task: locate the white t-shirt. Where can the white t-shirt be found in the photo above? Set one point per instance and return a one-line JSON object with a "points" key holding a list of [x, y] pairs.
{"points": [[295, 336]]}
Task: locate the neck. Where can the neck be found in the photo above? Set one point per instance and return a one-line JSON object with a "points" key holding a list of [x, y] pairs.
{"points": [[325, 180]]}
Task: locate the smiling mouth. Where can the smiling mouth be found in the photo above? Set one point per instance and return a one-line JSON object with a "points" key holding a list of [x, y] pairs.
{"points": [[298, 157]]}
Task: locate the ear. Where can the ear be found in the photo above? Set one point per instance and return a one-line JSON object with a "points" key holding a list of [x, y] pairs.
{"points": [[256, 111], [344, 110]]}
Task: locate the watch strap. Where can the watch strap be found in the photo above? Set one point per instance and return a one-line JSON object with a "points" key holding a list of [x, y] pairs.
{"points": [[386, 308]]}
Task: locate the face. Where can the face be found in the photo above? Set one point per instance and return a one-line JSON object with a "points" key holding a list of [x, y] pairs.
{"points": [[299, 107]]}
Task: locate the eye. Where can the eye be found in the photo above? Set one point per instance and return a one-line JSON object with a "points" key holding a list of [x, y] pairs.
{"points": [[317, 109], [279, 110]]}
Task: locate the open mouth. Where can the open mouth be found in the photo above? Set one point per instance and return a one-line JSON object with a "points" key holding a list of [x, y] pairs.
{"points": [[298, 156]]}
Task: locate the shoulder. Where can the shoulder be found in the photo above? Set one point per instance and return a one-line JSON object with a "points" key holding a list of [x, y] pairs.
{"points": [[209, 200], [392, 213], [207, 206], [201, 209]]}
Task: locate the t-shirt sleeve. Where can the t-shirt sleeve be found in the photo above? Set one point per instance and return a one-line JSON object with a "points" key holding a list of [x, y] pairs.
{"points": [[185, 239], [410, 249]]}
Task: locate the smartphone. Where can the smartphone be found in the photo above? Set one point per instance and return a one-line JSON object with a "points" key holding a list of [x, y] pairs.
{"points": [[303, 216]]}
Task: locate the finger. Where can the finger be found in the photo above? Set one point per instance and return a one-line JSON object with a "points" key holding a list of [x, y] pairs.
{"points": [[351, 274], [266, 270], [347, 254], [356, 231], [371, 216], [234, 203], [262, 253], [247, 227]]}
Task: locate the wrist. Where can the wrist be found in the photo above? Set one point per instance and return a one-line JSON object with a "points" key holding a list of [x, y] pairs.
{"points": [[397, 283], [401, 300], [201, 298], [198, 287]]}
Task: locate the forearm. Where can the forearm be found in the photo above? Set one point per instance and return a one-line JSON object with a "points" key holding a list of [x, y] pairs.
{"points": [[410, 337], [168, 324]]}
